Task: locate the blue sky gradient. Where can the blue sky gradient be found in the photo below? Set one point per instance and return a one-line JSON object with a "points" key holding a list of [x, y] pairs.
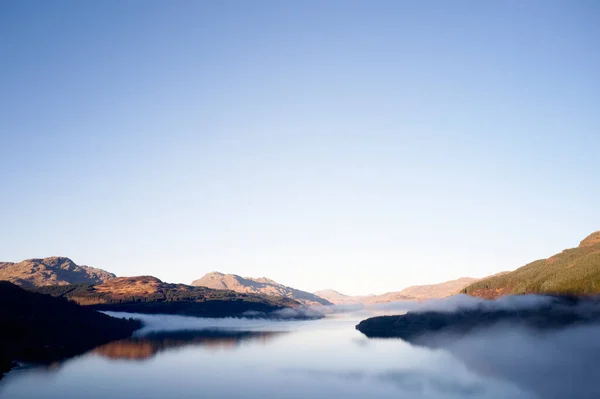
{"points": [[360, 146]]}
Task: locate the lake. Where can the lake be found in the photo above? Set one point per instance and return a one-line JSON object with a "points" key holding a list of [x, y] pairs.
{"points": [[182, 357]]}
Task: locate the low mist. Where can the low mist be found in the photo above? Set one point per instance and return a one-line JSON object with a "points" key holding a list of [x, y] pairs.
{"points": [[500, 361], [153, 323], [548, 364], [449, 304], [552, 364]]}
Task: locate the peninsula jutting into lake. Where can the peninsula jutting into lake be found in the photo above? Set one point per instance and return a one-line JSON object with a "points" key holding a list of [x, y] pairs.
{"points": [[552, 313]]}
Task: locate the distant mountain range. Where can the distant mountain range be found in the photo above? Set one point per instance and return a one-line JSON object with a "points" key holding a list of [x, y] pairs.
{"points": [[440, 290], [62, 271], [54, 270], [261, 285], [338, 298], [573, 271], [415, 292], [421, 292]]}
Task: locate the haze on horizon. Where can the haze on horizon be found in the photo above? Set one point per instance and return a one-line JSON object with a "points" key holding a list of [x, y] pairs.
{"points": [[345, 145]]}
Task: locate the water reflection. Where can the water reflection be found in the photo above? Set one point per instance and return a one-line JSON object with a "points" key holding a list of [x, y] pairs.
{"points": [[146, 347], [320, 359], [416, 382], [561, 364], [550, 365]]}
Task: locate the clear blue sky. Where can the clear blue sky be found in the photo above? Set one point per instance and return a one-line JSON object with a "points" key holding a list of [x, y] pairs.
{"points": [[360, 146]]}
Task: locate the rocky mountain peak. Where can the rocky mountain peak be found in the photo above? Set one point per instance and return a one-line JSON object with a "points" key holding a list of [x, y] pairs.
{"points": [[592, 239]]}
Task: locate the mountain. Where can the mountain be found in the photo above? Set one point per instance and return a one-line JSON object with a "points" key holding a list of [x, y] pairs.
{"points": [[147, 294], [55, 270], [421, 292], [387, 297], [262, 286], [440, 290], [40, 328], [338, 298], [415, 292], [573, 271]]}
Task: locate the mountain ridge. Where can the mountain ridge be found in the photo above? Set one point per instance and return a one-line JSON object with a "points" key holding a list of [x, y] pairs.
{"points": [[412, 293], [337, 298], [148, 294], [432, 291], [53, 270], [261, 285]]}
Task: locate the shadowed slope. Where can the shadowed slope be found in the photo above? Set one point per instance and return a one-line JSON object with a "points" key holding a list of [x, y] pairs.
{"points": [[38, 327]]}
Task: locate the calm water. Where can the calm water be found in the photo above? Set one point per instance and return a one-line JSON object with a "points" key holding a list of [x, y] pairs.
{"points": [[314, 359]]}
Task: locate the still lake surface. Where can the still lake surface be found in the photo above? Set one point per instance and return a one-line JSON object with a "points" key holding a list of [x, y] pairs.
{"points": [[182, 357]]}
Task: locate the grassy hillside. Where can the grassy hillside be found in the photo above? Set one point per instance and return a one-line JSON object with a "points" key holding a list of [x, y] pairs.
{"points": [[573, 271]]}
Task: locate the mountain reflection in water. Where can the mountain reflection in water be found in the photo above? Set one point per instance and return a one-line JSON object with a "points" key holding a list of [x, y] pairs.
{"points": [[147, 346]]}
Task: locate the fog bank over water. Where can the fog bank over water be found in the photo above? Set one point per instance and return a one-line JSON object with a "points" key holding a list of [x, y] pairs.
{"points": [[552, 365], [449, 304], [188, 357], [461, 301], [354, 311], [162, 323], [329, 358]]}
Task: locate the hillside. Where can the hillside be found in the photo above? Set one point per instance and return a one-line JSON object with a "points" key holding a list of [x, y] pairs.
{"points": [[39, 328], [573, 271], [54, 270], [147, 294], [263, 286]]}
